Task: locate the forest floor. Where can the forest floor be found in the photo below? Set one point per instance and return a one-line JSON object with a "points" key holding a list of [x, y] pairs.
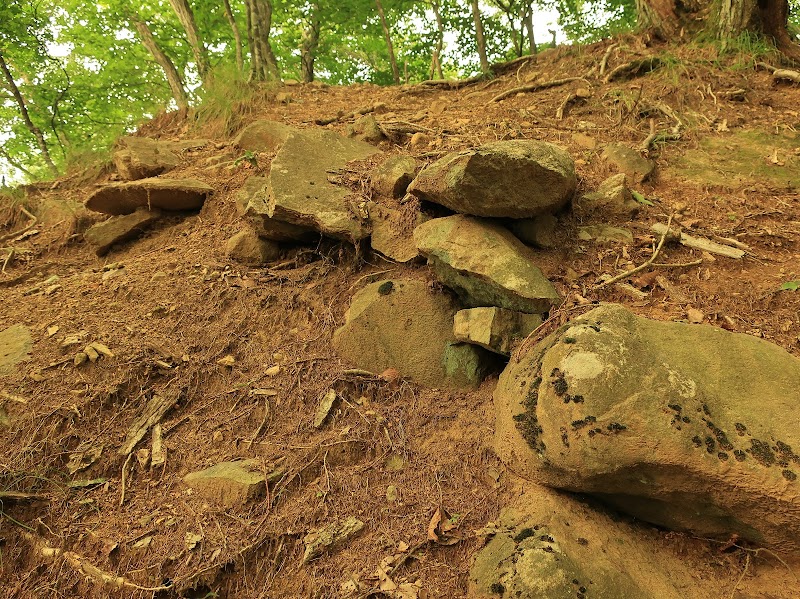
{"points": [[171, 304]]}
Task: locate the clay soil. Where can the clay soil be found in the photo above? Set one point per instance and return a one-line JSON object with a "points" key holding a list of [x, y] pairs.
{"points": [[174, 304]]}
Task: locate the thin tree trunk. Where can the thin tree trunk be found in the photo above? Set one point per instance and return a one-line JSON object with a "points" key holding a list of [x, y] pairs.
{"points": [[186, 17], [388, 37], [164, 61], [264, 65], [436, 58], [309, 44], [528, 20], [237, 35], [479, 39], [26, 118]]}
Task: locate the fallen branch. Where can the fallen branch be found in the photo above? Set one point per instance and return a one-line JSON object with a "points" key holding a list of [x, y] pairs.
{"points": [[606, 56], [125, 469], [579, 94], [786, 75], [345, 117], [702, 244], [657, 136], [641, 267], [533, 87], [451, 83], [28, 227], [634, 68]]}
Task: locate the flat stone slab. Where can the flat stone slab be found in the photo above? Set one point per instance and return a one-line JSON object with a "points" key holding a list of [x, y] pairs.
{"points": [[15, 347], [516, 179], [119, 228], [494, 328], [140, 158], [402, 324], [485, 264], [229, 484], [299, 190], [263, 136], [690, 427], [167, 194], [252, 202]]}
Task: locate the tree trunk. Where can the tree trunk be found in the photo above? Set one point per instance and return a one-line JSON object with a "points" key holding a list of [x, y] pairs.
{"points": [[725, 18], [528, 20], [479, 39], [309, 44], [263, 64], [26, 118], [387, 35], [237, 35], [186, 17], [436, 58], [171, 73]]}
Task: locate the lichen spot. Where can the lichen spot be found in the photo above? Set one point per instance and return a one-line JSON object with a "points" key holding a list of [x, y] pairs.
{"points": [[582, 365], [684, 386]]}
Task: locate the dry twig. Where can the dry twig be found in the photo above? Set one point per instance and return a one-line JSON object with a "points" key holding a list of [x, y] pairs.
{"points": [[28, 227], [534, 87]]}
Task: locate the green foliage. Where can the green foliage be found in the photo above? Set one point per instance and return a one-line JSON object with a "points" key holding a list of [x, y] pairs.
{"points": [[790, 286]]}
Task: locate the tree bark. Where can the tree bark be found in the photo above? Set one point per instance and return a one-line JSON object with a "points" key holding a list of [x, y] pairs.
{"points": [[479, 39], [186, 17], [164, 61], [528, 20], [263, 64], [309, 44], [387, 35], [436, 57], [237, 35], [26, 118]]}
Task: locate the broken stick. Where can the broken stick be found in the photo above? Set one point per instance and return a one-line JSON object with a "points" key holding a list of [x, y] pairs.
{"points": [[534, 87]]}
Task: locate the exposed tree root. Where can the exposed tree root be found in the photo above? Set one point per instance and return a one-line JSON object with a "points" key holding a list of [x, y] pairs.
{"points": [[26, 228], [634, 68], [533, 87]]}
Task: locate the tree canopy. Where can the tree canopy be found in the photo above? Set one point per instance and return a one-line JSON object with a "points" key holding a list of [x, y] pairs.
{"points": [[75, 75]]}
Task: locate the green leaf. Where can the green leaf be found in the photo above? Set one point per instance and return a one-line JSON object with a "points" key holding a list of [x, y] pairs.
{"points": [[790, 286], [641, 199]]}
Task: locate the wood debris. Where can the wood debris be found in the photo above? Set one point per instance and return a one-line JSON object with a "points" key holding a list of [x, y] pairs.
{"points": [[700, 243]]}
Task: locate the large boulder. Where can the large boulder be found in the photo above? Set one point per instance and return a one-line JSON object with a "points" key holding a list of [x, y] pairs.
{"points": [[517, 179], [263, 136], [548, 545], [141, 157], [167, 194], [119, 228], [485, 264], [299, 191], [687, 426], [403, 325]]}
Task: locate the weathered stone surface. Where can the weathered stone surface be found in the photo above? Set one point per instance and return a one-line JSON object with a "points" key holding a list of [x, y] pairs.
{"points": [[484, 264], [613, 197], [603, 233], [517, 179], [539, 231], [15, 347], [687, 426], [167, 194], [630, 162], [263, 136], [493, 328], [252, 203], [393, 176], [299, 192], [402, 324], [119, 228], [140, 157], [548, 545], [334, 534], [393, 232], [229, 484], [248, 248], [366, 129]]}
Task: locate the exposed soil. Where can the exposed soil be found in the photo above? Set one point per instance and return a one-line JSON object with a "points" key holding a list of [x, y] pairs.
{"points": [[175, 305]]}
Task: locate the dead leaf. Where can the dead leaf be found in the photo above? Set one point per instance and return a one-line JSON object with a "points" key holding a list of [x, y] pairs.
{"points": [[433, 525]]}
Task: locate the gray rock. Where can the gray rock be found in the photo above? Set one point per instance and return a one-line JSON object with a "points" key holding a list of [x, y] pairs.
{"points": [[484, 264], [230, 484], [116, 229], [393, 176], [299, 191], [630, 162], [167, 194], [248, 248], [493, 328], [140, 157], [517, 179], [252, 202], [15, 347], [539, 231], [366, 129], [613, 197], [263, 136], [402, 324], [393, 233], [548, 545], [687, 426], [603, 233]]}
